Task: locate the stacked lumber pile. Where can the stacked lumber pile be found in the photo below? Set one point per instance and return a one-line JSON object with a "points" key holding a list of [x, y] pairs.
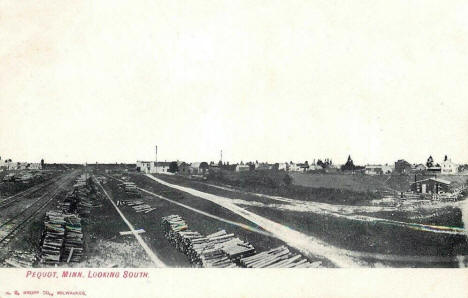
{"points": [[223, 250], [62, 238], [215, 250], [219, 249], [138, 205], [20, 260], [69, 203], [172, 224], [219, 244], [81, 199], [279, 257], [52, 241], [84, 205], [130, 189], [73, 245]]}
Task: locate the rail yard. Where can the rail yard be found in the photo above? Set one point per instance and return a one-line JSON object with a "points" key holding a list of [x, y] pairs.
{"points": [[91, 217]]}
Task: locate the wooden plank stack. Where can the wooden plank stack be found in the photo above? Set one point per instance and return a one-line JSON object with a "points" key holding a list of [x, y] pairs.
{"points": [[73, 245], [81, 199], [62, 239], [223, 250], [69, 203], [217, 250], [279, 257], [138, 205], [53, 237], [130, 189]]}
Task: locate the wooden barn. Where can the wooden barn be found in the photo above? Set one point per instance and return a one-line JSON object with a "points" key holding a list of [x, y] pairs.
{"points": [[431, 185]]}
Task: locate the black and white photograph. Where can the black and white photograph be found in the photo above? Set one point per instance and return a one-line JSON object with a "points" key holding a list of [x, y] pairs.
{"points": [[158, 138]]}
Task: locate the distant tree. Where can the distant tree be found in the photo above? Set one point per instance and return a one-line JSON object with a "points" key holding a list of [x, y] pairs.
{"points": [[173, 167], [445, 159], [321, 163], [430, 162], [349, 165]]}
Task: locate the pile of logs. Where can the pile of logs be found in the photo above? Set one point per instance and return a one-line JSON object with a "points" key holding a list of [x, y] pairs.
{"points": [[218, 250], [224, 250], [279, 257], [73, 245], [137, 205], [84, 205], [62, 239], [53, 236], [130, 189], [81, 199]]}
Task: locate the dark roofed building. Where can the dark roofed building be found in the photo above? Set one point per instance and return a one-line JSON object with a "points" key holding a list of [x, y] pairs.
{"points": [[402, 167], [431, 185]]}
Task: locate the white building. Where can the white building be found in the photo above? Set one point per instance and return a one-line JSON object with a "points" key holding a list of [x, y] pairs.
{"points": [[283, 166], [295, 167], [151, 167], [448, 167], [315, 167], [378, 169], [13, 165], [242, 168]]}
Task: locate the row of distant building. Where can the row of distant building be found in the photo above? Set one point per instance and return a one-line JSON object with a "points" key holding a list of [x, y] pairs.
{"points": [[8, 164], [446, 167]]}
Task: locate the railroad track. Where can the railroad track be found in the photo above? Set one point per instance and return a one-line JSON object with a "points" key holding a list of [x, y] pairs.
{"points": [[22, 195], [16, 223]]}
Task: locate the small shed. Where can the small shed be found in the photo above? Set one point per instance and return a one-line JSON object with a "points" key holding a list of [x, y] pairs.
{"points": [[431, 185]]}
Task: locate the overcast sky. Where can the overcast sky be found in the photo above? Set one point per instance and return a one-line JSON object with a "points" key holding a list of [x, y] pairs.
{"points": [[262, 80]]}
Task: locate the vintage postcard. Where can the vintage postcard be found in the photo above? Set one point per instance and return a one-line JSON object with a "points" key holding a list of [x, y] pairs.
{"points": [[233, 148]]}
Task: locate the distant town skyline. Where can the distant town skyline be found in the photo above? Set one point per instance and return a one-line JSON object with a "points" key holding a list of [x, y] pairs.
{"points": [[310, 161], [380, 82]]}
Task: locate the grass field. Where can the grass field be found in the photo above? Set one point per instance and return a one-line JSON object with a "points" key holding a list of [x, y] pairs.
{"points": [[363, 183], [371, 237]]}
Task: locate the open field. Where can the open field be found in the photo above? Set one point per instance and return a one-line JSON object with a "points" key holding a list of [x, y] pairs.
{"points": [[363, 183], [389, 231]]}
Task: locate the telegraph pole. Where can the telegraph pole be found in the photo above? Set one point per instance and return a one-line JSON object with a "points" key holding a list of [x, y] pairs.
{"points": [[156, 164]]}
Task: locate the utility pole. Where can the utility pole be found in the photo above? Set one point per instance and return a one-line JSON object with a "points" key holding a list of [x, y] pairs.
{"points": [[221, 158], [156, 164], [86, 173]]}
